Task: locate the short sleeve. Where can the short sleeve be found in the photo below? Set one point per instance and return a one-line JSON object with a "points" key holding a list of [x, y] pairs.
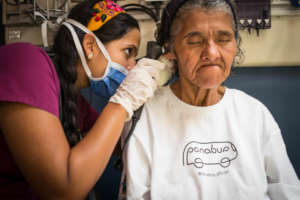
{"points": [[87, 115], [27, 75]]}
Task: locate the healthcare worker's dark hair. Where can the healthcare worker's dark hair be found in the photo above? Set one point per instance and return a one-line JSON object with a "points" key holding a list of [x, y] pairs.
{"points": [[66, 58], [175, 9]]}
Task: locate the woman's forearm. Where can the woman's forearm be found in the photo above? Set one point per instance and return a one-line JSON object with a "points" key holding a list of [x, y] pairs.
{"points": [[92, 153]]}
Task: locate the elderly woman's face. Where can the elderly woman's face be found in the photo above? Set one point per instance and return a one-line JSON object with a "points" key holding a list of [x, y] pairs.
{"points": [[205, 47]]}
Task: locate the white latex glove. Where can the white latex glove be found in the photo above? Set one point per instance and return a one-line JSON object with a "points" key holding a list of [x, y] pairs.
{"points": [[139, 85], [167, 72]]}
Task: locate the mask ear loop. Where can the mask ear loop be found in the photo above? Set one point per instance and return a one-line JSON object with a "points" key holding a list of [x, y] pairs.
{"points": [[68, 23], [79, 49]]}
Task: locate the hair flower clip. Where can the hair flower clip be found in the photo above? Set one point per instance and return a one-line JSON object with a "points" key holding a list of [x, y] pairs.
{"points": [[103, 11]]}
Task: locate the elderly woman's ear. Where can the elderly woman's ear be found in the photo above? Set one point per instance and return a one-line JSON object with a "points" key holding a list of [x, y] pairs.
{"points": [[170, 56], [169, 53]]}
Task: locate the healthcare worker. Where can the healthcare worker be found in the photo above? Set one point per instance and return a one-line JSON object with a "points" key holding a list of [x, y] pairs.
{"points": [[52, 144]]}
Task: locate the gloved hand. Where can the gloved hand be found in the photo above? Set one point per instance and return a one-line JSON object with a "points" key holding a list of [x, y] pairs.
{"points": [[167, 72], [139, 85]]}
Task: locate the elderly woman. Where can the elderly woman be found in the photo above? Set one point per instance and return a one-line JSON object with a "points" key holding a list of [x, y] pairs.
{"points": [[198, 139]]}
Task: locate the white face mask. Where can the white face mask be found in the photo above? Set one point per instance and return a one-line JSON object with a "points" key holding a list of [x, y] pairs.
{"points": [[110, 63]]}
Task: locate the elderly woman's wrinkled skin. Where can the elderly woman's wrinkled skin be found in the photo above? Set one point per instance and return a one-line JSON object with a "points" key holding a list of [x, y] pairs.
{"points": [[204, 49]]}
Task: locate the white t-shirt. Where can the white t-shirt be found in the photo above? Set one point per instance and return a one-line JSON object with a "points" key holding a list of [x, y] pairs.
{"points": [[232, 150]]}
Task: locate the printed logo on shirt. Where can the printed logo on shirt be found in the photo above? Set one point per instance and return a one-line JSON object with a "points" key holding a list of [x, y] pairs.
{"points": [[210, 153]]}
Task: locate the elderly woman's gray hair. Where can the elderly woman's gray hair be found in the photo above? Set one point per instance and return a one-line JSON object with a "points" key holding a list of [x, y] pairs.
{"points": [[171, 24]]}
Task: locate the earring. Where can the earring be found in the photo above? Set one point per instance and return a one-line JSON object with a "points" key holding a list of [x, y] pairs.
{"points": [[90, 56]]}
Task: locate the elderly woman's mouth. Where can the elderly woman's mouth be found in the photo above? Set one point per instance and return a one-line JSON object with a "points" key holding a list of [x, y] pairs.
{"points": [[211, 65]]}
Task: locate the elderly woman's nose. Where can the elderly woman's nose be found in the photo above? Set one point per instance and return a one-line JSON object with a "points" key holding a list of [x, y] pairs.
{"points": [[211, 51]]}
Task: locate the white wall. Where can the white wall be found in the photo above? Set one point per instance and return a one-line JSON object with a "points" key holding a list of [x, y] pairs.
{"points": [[278, 46]]}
